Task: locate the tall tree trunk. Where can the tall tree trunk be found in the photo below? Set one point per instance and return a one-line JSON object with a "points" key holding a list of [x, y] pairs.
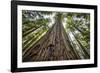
{"points": [[74, 47], [54, 45], [86, 54]]}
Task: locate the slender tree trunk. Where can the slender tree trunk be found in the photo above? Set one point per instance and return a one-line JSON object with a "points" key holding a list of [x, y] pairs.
{"points": [[74, 48], [83, 48], [30, 31]]}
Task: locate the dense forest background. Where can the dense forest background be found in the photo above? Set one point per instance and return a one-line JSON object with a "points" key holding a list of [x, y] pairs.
{"points": [[48, 36]]}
